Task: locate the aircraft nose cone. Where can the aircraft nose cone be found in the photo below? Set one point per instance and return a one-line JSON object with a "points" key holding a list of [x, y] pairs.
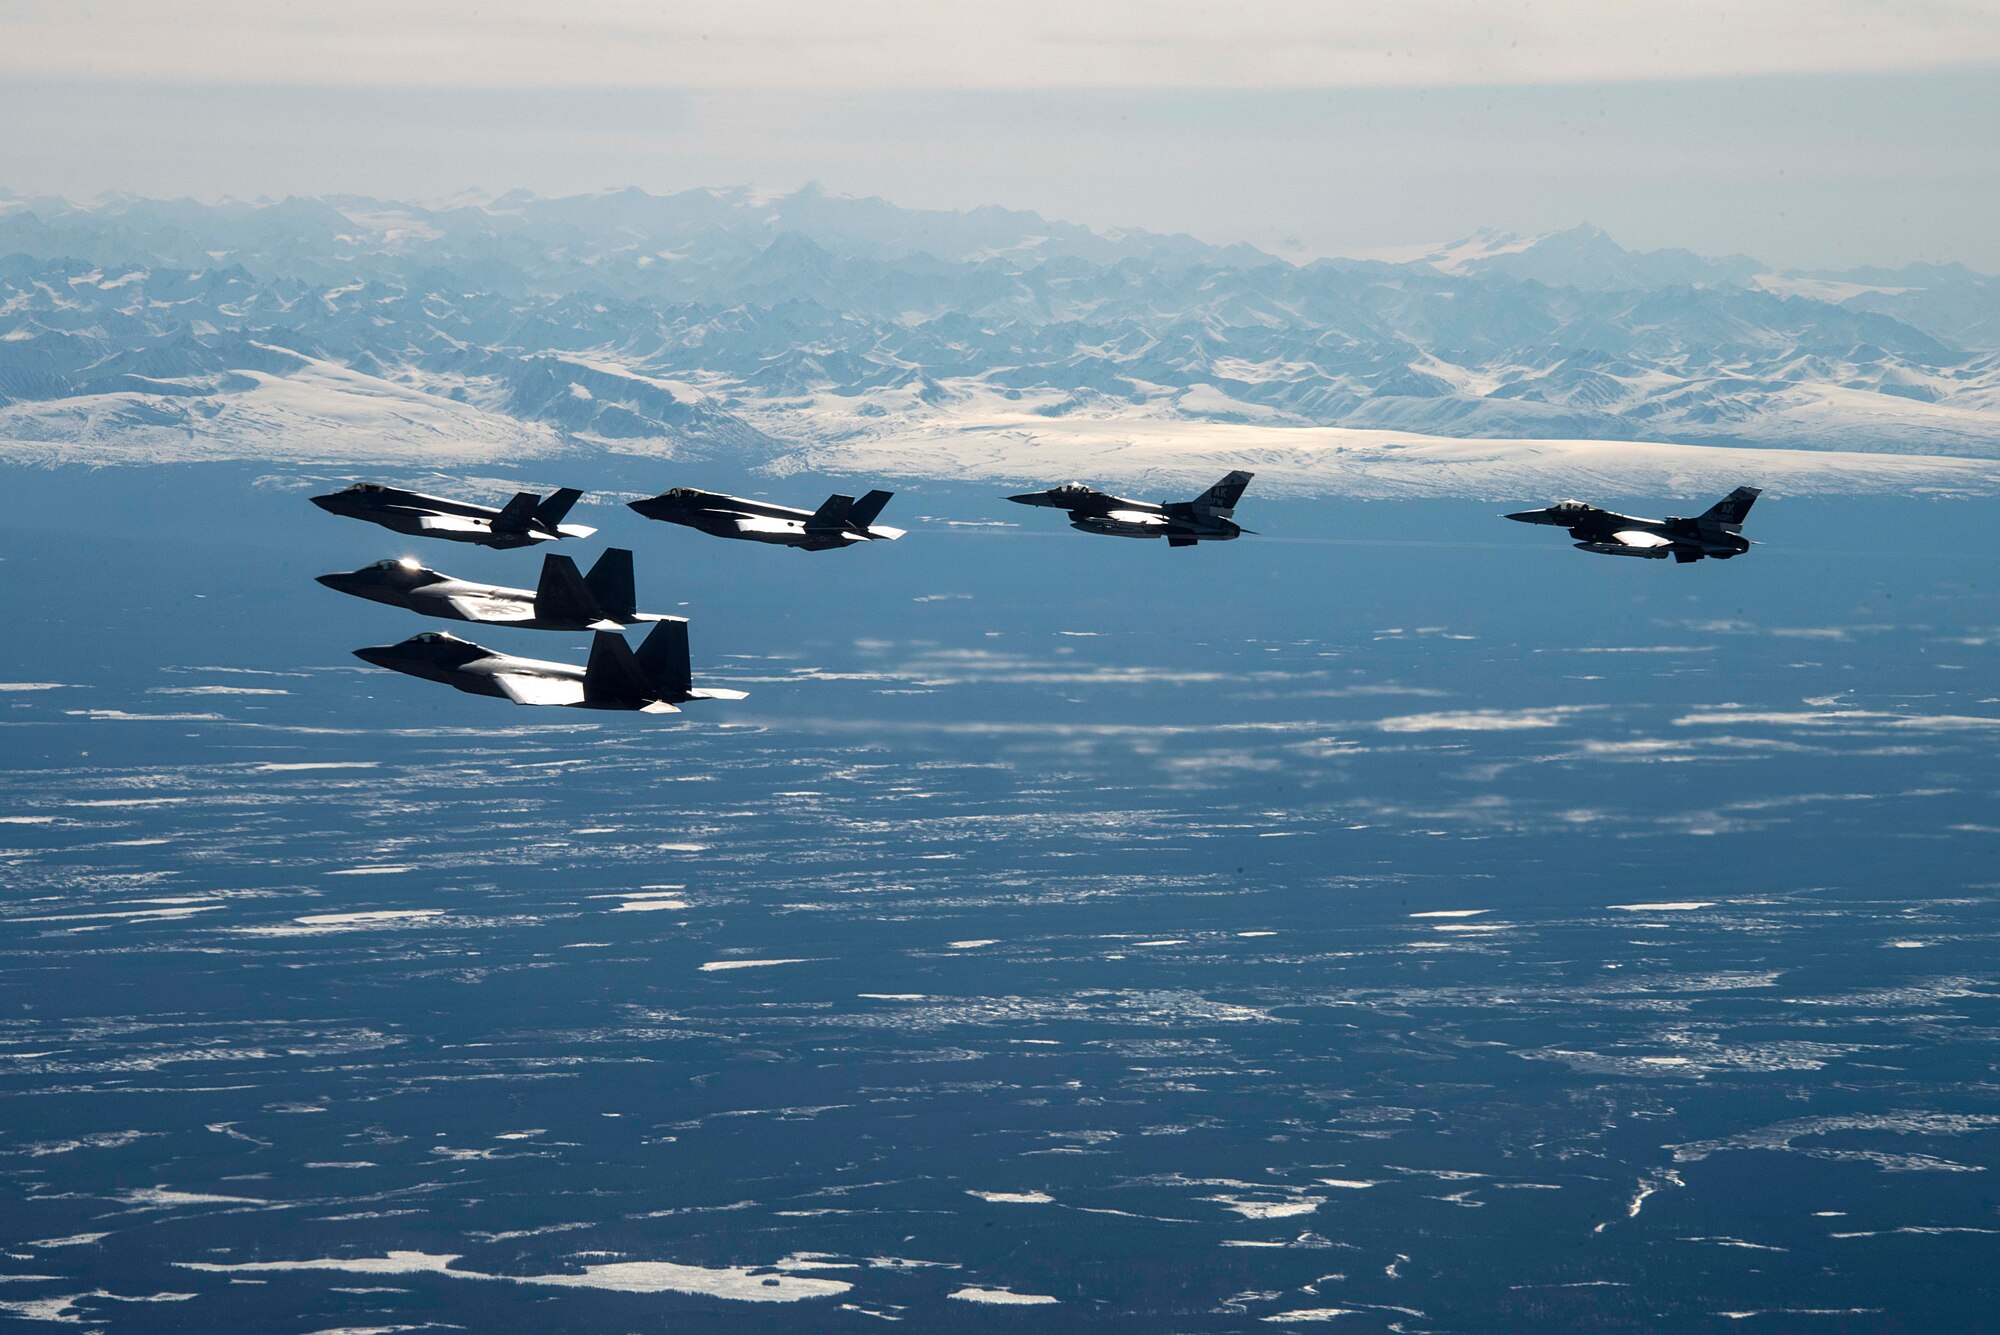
{"points": [[377, 655], [648, 507], [338, 582], [1525, 516], [324, 502], [1027, 497]]}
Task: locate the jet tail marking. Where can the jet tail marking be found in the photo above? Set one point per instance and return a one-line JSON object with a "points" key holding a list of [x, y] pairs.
{"points": [[610, 584], [1733, 509], [865, 511], [563, 595], [833, 513], [613, 673], [1222, 497]]}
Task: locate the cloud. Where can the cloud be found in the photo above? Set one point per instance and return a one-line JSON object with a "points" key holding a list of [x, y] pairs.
{"points": [[1021, 44]]}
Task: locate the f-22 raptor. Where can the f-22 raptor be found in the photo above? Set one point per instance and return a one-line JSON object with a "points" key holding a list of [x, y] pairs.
{"points": [[563, 600], [1716, 532], [841, 521], [522, 522], [1206, 518], [655, 680]]}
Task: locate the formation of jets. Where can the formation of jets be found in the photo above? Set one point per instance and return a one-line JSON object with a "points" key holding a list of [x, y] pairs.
{"points": [[657, 678]]}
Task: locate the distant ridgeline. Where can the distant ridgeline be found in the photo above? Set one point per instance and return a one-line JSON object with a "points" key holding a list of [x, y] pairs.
{"points": [[728, 324]]}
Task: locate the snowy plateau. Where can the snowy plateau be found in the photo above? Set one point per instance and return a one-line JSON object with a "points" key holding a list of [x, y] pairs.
{"points": [[812, 331]]}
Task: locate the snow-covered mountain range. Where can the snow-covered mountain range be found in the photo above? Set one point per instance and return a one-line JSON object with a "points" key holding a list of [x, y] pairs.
{"points": [[808, 328]]}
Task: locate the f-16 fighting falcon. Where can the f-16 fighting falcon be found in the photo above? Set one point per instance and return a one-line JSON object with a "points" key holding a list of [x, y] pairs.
{"points": [[1206, 518], [1716, 532], [655, 680], [563, 600], [523, 522], [841, 522]]}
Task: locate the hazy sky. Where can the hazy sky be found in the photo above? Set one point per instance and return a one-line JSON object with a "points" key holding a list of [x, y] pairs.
{"points": [[1804, 133]]}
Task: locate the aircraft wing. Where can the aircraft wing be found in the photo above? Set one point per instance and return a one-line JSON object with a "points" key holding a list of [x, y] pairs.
{"points": [[492, 611], [884, 531], [454, 524], [761, 524], [1639, 537], [525, 689], [1137, 517], [717, 693]]}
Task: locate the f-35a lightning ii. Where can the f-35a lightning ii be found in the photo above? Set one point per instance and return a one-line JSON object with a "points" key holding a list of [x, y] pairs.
{"points": [[1206, 518], [523, 522], [655, 680], [841, 522], [1716, 531], [563, 600]]}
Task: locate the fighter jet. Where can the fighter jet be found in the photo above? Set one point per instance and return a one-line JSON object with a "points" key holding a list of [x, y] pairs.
{"points": [[655, 680], [1716, 532], [1206, 518], [564, 600], [525, 520], [841, 522]]}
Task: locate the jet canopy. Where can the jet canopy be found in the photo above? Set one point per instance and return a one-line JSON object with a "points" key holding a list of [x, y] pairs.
{"points": [[435, 637], [395, 563], [1568, 507], [1071, 489]]}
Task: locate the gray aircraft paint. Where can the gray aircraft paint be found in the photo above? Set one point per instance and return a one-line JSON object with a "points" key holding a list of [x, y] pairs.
{"points": [[841, 521], [1717, 532], [655, 680], [562, 600], [522, 522], [1206, 518]]}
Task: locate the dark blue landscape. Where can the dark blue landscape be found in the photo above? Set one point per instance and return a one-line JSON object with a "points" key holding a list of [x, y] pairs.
{"points": [[1398, 921]]}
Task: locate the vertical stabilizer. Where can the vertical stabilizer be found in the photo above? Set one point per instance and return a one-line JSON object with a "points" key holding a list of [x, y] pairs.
{"points": [[832, 514], [562, 594], [610, 583], [557, 507], [869, 508], [517, 513], [613, 675], [664, 660], [1222, 497], [1733, 509]]}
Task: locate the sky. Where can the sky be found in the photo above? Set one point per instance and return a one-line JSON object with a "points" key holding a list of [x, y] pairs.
{"points": [[1809, 134]]}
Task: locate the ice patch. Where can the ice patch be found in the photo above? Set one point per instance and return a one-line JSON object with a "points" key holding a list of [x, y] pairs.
{"points": [[716, 966], [1671, 906], [1015, 1197], [755, 1284], [1000, 1297]]}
